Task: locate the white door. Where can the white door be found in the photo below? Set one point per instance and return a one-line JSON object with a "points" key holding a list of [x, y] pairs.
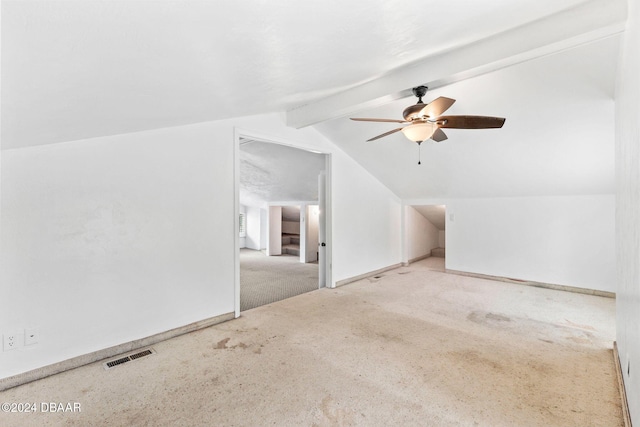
{"points": [[322, 231]]}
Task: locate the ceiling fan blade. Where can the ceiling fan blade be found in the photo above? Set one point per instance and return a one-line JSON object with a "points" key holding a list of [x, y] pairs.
{"points": [[470, 122], [438, 135], [384, 134], [378, 120], [437, 107]]}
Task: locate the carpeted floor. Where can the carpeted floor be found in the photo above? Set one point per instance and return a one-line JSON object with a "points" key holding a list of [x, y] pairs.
{"points": [[264, 279], [416, 347], [431, 263]]}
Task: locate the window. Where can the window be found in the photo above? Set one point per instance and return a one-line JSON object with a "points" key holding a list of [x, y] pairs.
{"points": [[243, 224]]}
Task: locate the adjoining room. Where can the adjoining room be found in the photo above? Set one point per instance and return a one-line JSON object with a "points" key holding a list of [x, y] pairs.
{"points": [[279, 221], [425, 235]]}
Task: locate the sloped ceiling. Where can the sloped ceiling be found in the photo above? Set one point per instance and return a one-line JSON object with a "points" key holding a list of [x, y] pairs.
{"points": [[78, 69], [291, 213], [277, 173], [558, 138], [434, 213]]}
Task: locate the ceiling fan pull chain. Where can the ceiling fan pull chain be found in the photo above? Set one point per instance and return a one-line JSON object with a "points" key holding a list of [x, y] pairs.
{"points": [[419, 145]]}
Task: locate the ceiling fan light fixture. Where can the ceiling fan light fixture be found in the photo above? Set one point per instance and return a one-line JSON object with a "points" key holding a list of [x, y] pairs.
{"points": [[418, 132], [426, 120]]}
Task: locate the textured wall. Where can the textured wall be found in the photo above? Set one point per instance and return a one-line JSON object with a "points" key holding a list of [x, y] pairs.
{"points": [[114, 239], [628, 210]]}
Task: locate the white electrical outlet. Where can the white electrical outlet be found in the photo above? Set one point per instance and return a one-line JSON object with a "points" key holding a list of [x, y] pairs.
{"points": [[13, 340], [31, 336]]}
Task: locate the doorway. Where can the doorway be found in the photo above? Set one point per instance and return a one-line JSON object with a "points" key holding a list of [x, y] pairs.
{"points": [[425, 237], [282, 197]]}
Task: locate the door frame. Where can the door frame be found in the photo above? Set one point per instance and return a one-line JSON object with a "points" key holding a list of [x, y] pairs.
{"points": [[240, 133]]}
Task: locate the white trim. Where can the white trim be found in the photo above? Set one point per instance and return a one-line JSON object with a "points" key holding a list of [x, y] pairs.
{"points": [[249, 134], [294, 203], [328, 219], [626, 415], [556, 287], [236, 215], [106, 353], [420, 258], [367, 275]]}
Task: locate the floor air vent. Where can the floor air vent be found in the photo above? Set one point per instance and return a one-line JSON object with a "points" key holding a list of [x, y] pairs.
{"points": [[112, 363]]}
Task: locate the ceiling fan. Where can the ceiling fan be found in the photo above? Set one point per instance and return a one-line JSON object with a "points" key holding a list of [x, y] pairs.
{"points": [[426, 120]]}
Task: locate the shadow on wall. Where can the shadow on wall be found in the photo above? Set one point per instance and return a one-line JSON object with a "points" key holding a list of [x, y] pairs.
{"points": [[425, 231]]}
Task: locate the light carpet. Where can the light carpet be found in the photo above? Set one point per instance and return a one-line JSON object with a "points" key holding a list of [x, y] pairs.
{"points": [[416, 347], [267, 279]]}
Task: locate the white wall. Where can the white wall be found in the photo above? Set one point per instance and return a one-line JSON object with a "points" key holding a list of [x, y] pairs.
{"points": [[274, 239], [117, 238], [308, 233], [114, 239], [311, 232], [3, 289], [421, 235], [442, 241], [254, 231], [366, 221], [291, 227], [565, 240], [264, 228], [628, 211]]}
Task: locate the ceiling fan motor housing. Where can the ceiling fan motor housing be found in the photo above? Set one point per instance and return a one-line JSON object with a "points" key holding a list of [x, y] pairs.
{"points": [[412, 111]]}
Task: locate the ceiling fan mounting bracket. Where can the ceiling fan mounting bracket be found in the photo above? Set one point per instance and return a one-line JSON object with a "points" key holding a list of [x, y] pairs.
{"points": [[420, 91]]}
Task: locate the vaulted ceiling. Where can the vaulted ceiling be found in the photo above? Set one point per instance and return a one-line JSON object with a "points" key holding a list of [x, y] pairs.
{"points": [[558, 137], [79, 69]]}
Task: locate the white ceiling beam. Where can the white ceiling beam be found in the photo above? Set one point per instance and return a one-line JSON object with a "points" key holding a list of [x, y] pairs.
{"points": [[589, 21]]}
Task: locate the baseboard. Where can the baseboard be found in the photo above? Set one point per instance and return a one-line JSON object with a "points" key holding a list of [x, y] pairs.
{"points": [[412, 260], [536, 284], [85, 359], [366, 275], [623, 391]]}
